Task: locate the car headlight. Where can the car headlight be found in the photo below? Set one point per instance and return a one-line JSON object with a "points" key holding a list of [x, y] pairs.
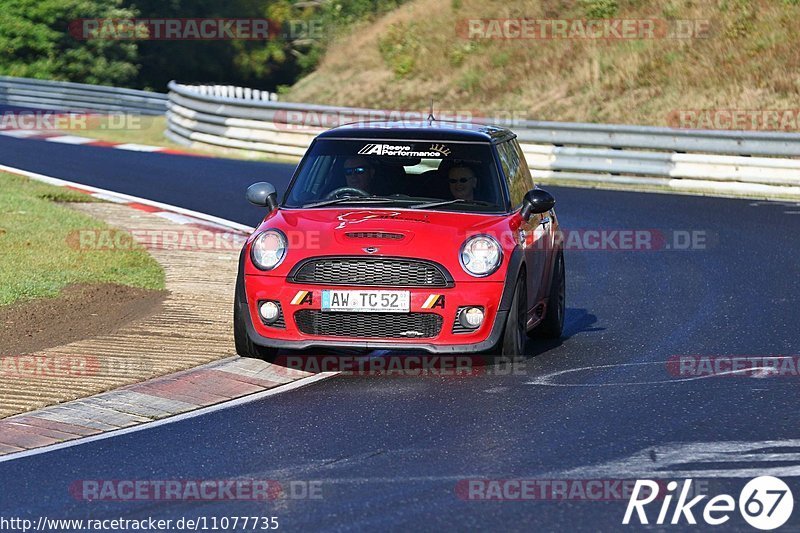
{"points": [[268, 249], [480, 255]]}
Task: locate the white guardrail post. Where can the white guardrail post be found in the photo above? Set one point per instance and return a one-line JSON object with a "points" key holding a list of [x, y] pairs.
{"points": [[765, 164]]}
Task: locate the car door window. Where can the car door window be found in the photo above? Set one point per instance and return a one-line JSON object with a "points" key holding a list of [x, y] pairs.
{"points": [[525, 172], [517, 178]]}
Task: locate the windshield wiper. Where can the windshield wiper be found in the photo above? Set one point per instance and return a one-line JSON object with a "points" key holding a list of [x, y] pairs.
{"points": [[349, 199], [449, 202], [369, 199]]}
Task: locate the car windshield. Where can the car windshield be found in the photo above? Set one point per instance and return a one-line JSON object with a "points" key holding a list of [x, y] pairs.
{"points": [[412, 174]]}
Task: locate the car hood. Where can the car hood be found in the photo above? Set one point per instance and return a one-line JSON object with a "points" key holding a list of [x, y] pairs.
{"points": [[435, 235]]}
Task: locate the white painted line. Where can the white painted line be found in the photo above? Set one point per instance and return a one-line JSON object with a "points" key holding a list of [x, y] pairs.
{"points": [[138, 147], [70, 139], [20, 133], [108, 198], [678, 460], [176, 217], [548, 380], [172, 419], [774, 203], [128, 198]]}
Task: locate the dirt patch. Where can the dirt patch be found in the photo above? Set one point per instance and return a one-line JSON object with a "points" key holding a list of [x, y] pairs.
{"points": [[79, 312]]}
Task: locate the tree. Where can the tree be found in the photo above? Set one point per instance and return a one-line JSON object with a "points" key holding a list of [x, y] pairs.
{"points": [[36, 42]]}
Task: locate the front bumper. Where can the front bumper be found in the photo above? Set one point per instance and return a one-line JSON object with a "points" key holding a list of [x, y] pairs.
{"points": [[494, 297]]}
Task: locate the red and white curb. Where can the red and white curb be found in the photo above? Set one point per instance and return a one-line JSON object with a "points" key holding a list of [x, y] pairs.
{"points": [[58, 137], [168, 399], [173, 213], [187, 394]]}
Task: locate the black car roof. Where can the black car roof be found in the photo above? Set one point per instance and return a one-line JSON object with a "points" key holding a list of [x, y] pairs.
{"points": [[433, 130]]}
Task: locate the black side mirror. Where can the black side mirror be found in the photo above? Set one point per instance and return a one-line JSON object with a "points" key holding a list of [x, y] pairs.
{"points": [[536, 201], [263, 194]]}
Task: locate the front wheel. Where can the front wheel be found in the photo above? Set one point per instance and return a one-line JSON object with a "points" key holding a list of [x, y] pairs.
{"points": [[512, 342], [552, 326]]}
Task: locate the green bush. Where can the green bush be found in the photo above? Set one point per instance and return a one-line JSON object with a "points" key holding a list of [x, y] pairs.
{"points": [[599, 9], [399, 48], [36, 42]]}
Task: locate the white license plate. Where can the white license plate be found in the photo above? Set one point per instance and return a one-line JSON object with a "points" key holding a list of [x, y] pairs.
{"points": [[367, 301]]}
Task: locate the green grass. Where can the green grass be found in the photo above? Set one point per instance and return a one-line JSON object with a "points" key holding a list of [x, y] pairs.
{"points": [[36, 257], [143, 129], [139, 129]]}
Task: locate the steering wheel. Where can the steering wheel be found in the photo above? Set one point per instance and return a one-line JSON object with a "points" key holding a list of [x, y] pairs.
{"points": [[351, 191]]}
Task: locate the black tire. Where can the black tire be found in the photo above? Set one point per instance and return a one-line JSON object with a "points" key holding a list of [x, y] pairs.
{"points": [[244, 346], [552, 326], [512, 342]]}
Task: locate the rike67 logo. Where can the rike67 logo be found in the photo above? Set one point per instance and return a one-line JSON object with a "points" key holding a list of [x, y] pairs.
{"points": [[765, 503]]}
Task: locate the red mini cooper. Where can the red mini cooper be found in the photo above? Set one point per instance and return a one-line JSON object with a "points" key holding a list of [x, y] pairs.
{"points": [[429, 237]]}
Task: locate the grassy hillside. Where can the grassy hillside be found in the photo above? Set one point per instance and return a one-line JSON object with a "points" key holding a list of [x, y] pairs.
{"points": [[749, 60]]}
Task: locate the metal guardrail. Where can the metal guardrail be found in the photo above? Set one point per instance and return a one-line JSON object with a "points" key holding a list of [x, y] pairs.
{"points": [[68, 96], [727, 162]]}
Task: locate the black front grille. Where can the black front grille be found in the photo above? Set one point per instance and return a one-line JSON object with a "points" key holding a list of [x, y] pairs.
{"points": [[371, 272], [366, 325]]}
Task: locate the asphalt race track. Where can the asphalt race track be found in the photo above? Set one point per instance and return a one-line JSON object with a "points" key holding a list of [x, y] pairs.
{"points": [[602, 404], [175, 180]]}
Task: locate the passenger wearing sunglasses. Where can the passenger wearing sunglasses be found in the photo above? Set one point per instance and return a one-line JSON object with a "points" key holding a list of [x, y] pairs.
{"points": [[359, 173], [462, 181]]}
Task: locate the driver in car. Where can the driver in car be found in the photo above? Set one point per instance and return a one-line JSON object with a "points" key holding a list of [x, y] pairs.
{"points": [[462, 180], [359, 173]]}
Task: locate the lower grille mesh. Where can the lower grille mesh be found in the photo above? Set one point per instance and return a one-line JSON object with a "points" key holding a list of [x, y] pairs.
{"points": [[369, 325]]}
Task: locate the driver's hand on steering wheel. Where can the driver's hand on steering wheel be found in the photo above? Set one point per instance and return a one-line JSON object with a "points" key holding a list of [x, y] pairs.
{"points": [[342, 192]]}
